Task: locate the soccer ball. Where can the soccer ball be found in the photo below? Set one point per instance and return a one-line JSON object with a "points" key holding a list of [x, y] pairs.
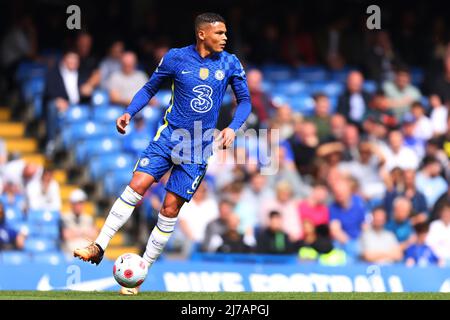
{"points": [[130, 270]]}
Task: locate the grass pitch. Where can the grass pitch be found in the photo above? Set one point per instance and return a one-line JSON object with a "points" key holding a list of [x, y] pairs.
{"points": [[78, 295]]}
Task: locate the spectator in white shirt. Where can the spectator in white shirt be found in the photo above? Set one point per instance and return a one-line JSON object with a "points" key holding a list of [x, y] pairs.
{"points": [[124, 84], [44, 194], [438, 115], [398, 155], [430, 182], [439, 235], [424, 128]]}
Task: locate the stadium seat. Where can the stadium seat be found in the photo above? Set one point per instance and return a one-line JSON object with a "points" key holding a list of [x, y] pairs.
{"points": [[92, 147], [303, 104], [32, 87], [164, 97], [290, 87], [39, 245], [330, 88], [50, 231], [417, 76], [75, 132], [100, 165], [50, 258], [107, 114], [15, 257], [370, 86], [100, 98], [13, 214], [115, 182], [312, 73], [277, 72], [77, 113], [41, 217], [28, 70]]}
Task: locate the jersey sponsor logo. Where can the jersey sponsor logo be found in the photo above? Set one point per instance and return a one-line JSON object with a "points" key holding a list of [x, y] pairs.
{"points": [[203, 102], [219, 75], [204, 73], [144, 162]]}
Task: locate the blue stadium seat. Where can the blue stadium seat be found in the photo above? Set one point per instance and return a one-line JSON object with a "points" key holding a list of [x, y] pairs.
{"points": [[330, 88], [40, 245], [19, 226], [290, 87], [100, 98], [13, 214], [72, 134], [15, 257], [100, 165], [302, 103], [312, 73], [92, 147], [77, 113], [370, 86], [417, 76], [32, 87], [50, 258], [50, 231], [115, 182], [107, 114], [28, 70], [153, 115], [277, 72], [41, 217], [164, 97], [340, 75]]}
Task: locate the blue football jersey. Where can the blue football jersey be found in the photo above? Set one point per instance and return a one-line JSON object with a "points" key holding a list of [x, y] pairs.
{"points": [[198, 88]]}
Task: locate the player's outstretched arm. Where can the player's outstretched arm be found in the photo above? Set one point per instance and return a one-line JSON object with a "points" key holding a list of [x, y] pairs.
{"points": [[122, 122]]}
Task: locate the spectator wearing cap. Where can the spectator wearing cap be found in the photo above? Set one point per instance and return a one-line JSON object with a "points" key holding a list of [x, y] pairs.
{"points": [[77, 226], [401, 93]]}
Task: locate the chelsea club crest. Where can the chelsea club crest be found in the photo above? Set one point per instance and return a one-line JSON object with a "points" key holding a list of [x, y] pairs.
{"points": [[219, 75]]}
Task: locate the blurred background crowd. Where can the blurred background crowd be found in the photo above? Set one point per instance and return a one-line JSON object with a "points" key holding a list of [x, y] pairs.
{"points": [[362, 117]]}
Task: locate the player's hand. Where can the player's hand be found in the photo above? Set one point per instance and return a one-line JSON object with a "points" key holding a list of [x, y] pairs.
{"points": [[122, 122], [226, 138]]}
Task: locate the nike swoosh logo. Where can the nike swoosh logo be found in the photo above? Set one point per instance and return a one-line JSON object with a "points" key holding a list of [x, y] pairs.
{"points": [[97, 284], [184, 72], [190, 192]]}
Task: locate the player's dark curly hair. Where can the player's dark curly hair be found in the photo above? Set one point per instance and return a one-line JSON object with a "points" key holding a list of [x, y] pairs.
{"points": [[207, 17]]}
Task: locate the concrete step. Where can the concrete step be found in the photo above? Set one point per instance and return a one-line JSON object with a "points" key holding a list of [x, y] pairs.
{"points": [[5, 114], [12, 129], [21, 145], [36, 158], [66, 190], [60, 176], [114, 252]]}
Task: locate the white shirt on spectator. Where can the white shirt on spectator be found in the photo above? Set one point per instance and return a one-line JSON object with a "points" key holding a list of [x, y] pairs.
{"points": [[424, 128], [38, 199], [357, 107], [439, 239], [404, 159], [70, 79], [439, 120], [197, 215], [127, 85]]}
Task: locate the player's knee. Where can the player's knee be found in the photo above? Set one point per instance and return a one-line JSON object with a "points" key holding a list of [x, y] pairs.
{"points": [[170, 210]]}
